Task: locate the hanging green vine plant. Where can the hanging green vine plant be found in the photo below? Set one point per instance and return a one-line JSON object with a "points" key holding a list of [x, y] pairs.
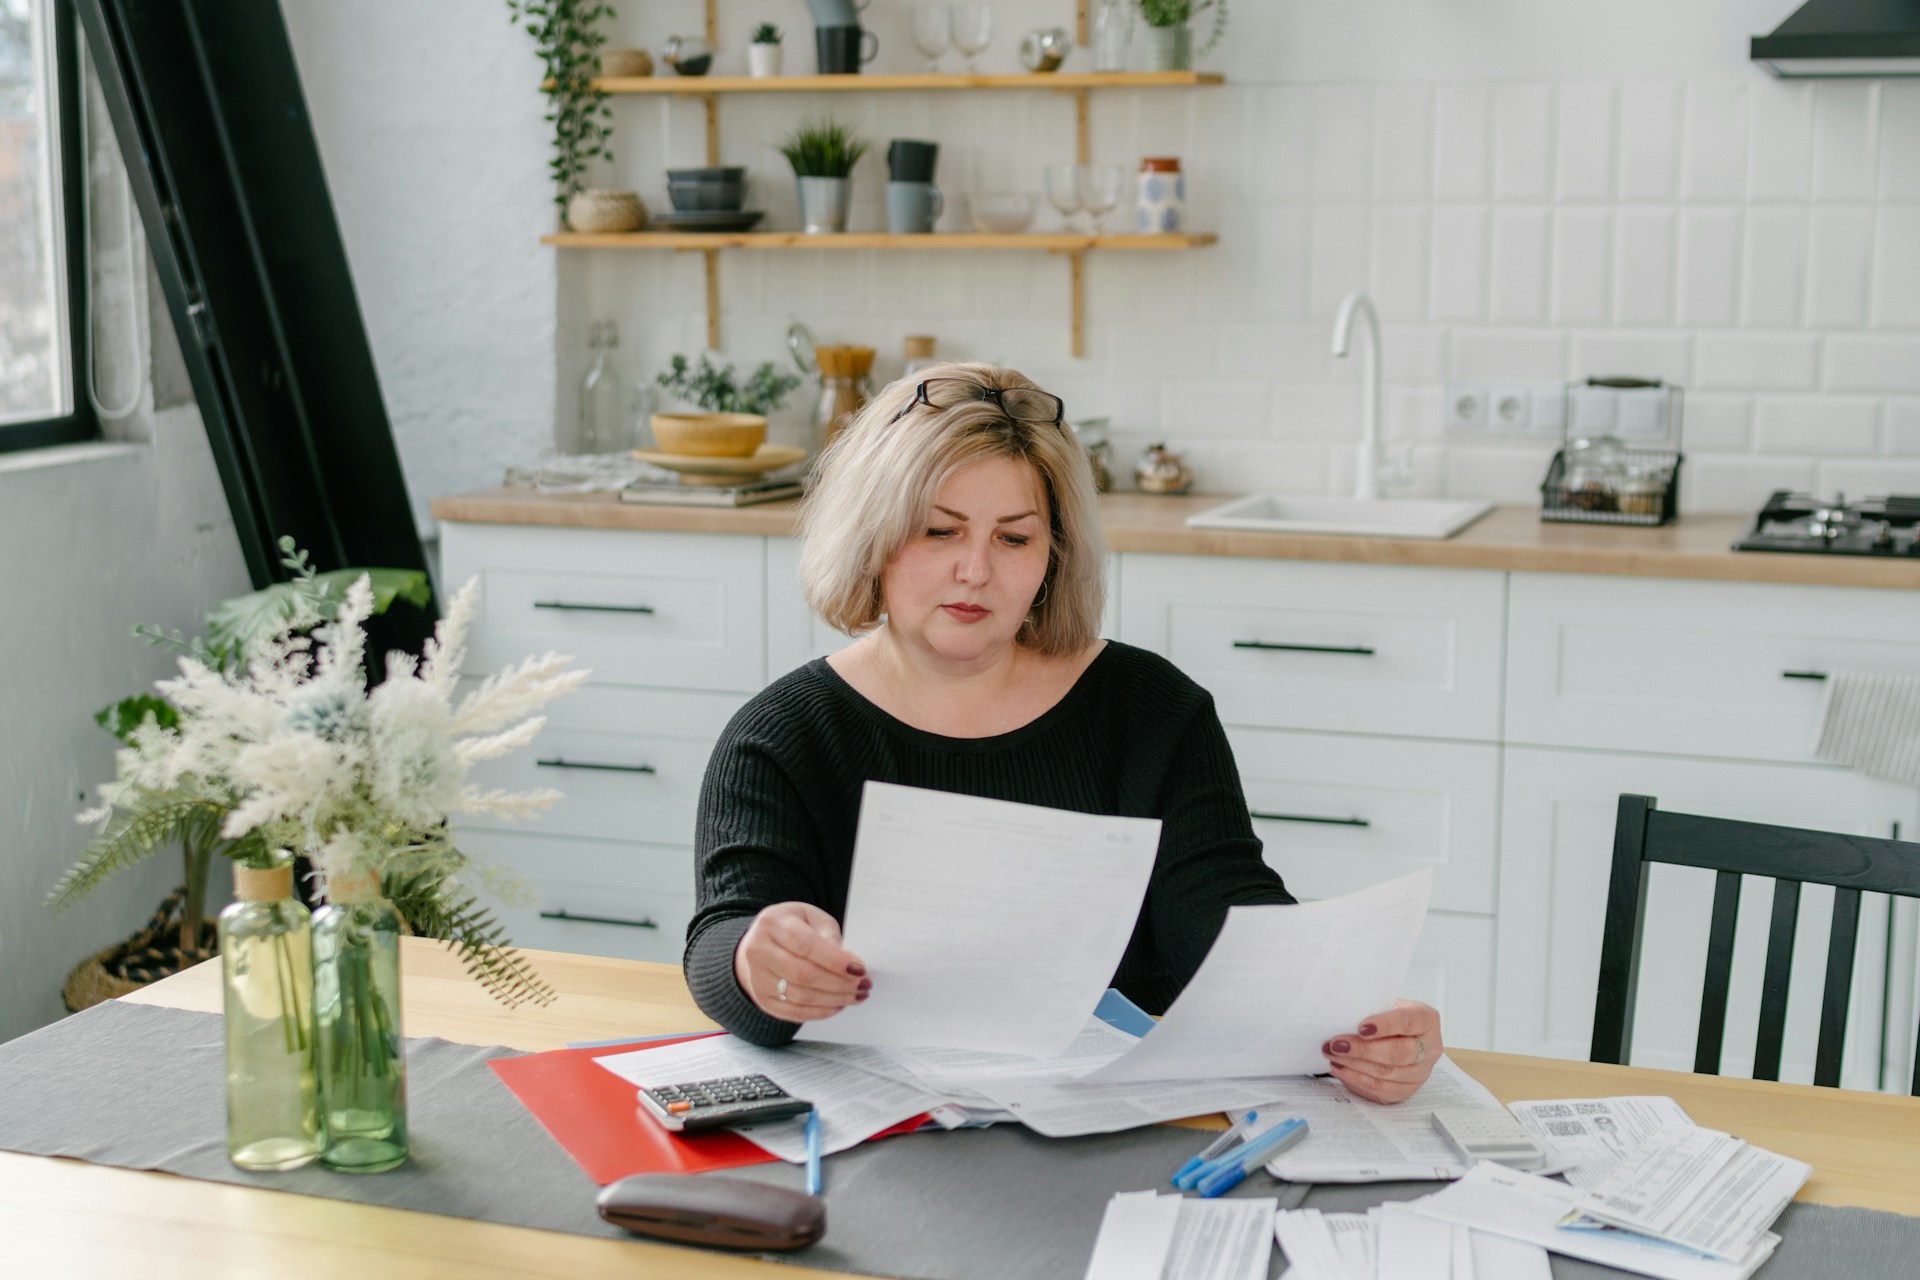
{"points": [[567, 37]]}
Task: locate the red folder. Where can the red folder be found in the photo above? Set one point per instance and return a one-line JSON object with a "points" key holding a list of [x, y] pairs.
{"points": [[594, 1116]]}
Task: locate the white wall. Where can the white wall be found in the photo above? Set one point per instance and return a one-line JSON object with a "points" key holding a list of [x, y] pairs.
{"points": [[1531, 191]]}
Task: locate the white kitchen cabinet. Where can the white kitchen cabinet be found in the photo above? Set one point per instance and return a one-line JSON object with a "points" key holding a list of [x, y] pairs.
{"points": [[1452, 970], [1691, 668], [1338, 813], [1556, 848], [1349, 648], [625, 898]]}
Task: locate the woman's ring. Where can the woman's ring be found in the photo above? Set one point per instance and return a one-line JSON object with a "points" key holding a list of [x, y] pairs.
{"points": [[780, 990], [1419, 1045]]}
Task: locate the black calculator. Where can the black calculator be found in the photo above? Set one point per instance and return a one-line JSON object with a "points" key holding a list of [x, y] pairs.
{"points": [[708, 1104]]}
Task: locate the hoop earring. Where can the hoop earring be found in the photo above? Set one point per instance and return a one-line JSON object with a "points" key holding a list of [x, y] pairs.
{"points": [[1042, 597]]}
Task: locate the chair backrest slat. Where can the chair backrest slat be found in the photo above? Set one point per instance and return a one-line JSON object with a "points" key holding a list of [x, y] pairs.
{"points": [[1775, 979], [1841, 941], [1713, 996], [1850, 865]]}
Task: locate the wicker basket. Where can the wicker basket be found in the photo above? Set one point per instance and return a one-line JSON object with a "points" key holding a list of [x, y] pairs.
{"points": [[148, 956], [626, 62], [597, 209]]}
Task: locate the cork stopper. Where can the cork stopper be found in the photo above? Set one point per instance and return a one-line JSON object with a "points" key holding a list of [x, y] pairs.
{"points": [[263, 884], [919, 346], [354, 886]]}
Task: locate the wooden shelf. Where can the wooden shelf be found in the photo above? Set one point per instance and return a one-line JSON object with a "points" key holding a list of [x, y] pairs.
{"points": [[1063, 81], [1056, 242]]}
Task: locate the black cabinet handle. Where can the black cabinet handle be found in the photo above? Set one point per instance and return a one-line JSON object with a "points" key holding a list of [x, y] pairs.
{"points": [[1803, 675], [560, 763], [1307, 817], [593, 608], [568, 915], [1359, 649]]}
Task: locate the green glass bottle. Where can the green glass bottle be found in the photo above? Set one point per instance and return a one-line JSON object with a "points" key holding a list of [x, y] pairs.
{"points": [[266, 959], [363, 1076]]}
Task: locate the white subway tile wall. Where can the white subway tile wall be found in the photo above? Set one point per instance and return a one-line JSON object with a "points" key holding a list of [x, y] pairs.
{"points": [[1755, 240]]}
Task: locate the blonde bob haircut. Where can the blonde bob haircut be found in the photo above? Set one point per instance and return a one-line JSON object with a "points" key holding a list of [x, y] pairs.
{"points": [[874, 489]]}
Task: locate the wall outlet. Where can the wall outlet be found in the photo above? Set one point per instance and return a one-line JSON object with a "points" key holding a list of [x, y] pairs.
{"points": [[1509, 409], [1466, 408]]}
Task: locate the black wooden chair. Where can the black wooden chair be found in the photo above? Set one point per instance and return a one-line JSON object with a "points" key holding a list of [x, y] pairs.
{"points": [[1851, 864]]}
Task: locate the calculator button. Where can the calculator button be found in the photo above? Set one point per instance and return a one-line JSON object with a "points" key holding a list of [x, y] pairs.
{"points": [[677, 1107]]}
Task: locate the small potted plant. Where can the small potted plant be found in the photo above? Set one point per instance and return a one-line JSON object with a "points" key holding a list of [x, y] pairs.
{"points": [[823, 155], [1166, 42], [763, 55], [735, 419]]}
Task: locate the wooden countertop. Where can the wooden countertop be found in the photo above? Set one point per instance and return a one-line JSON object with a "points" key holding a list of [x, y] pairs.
{"points": [[1507, 538]]}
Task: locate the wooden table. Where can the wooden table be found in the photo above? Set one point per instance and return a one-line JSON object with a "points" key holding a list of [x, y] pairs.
{"points": [[65, 1218]]}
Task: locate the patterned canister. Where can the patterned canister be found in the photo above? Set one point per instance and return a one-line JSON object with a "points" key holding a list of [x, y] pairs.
{"points": [[1163, 196]]}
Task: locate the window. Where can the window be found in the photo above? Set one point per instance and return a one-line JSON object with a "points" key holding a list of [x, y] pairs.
{"points": [[42, 283]]}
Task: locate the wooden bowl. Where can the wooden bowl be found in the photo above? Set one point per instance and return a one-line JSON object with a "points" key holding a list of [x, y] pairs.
{"points": [[709, 435]]}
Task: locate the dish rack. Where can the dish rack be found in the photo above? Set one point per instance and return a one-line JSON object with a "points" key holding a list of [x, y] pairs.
{"points": [[1647, 431]]}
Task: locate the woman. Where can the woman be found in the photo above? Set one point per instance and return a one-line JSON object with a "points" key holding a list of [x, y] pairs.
{"points": [[952, 529]]}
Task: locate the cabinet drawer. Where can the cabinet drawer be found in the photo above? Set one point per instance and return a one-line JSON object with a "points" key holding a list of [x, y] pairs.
{"points": [[1360, 648], [1694, 668], [630, 762], [596, 897], [1337, 814], [682, 610]]}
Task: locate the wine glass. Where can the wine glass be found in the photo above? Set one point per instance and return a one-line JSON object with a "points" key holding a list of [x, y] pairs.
{"points": [[1099, 187], [932, 32], [972, 31], [1063, 191]]}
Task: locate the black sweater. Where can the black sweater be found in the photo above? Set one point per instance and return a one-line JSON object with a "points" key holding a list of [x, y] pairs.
{"points": [[1132, 738]]}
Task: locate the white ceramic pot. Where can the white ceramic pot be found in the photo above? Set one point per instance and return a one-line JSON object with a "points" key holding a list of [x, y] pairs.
{"points": [[763, 61], [823, 204]]}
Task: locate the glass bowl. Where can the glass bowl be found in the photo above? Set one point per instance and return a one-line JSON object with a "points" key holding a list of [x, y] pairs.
{"points": [[1001, 212]]}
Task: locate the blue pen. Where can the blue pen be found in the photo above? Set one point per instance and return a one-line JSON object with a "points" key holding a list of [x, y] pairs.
{"points": [[813, 1152], [1225, 1174], [1183, 1177]]}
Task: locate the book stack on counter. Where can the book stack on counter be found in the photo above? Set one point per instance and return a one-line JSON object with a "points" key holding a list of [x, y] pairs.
{"points": [[673, 493]]}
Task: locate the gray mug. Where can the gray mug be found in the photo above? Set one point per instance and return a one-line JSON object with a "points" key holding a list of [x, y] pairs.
{"points": [[913, 207], [837, 13]]}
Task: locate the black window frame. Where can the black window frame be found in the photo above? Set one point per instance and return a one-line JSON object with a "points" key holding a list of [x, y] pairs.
{"points": [[81, 424]]}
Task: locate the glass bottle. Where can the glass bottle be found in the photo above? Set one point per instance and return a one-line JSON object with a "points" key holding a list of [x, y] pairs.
{"points": [[1112, 35], [266, 963], [918, 351], [602, 415], [363, 1076]]}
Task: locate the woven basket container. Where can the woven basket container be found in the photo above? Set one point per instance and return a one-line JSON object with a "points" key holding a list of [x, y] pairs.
{"points": [[597, 209], [626, 62], [148, 956]]}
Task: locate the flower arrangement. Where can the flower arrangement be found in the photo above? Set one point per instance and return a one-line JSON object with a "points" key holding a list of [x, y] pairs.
{"points": [[289, 750], [713, 386]]}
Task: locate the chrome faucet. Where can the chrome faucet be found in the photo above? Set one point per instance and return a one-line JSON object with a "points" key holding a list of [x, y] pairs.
{"points": [[1366, 483]]}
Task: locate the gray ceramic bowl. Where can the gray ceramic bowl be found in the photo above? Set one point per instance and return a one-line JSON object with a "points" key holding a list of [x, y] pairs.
{"points": [[707, 197]]}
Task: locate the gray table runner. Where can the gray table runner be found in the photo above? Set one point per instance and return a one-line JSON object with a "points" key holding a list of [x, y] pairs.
{"points": [[139, 1087]]}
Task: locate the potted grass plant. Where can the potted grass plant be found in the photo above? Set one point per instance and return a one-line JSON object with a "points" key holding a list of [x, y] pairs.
{"points": [[1166, 40], [763, 55], [823, 154]]}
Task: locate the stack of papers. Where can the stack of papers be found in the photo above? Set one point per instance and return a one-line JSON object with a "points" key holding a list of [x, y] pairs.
{"points": [[1392, 1240], [1145, 1236]]}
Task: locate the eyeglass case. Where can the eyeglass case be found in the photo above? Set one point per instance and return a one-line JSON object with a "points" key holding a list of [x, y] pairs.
{"points": [[722, 1213]]}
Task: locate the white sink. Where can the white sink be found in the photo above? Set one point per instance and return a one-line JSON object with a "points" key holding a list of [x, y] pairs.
{"points": [[1355, 517]]}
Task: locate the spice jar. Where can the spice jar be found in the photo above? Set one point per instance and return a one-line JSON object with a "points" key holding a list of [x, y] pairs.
{"points": [[1642, 491], [1163, 196], [1595, 469], [1162, 471]]}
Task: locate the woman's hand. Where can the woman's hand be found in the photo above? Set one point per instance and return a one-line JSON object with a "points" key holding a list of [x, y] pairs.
{"points": [[792, 966], [1392, 1055]]}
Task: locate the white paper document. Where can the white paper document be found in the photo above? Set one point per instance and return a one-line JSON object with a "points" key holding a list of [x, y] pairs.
{"points": [[986, 924], [1353, 1140], [1524, 1206], [1148, 1236], [1390, 1240], [1699, 1189], [1592, 1135], [853, 1104], [1280, 981]]}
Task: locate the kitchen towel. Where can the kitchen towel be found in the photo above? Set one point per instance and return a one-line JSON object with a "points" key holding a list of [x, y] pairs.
{"points": [[1871, 722]]}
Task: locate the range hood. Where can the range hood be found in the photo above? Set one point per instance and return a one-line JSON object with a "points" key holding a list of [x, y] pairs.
{"points": [[1844, 38]]}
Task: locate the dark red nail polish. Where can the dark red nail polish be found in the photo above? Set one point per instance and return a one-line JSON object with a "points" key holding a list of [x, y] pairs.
{"points": [[1368, 1029], [1326, 1047], [857, 970], [860, 995], [866, 985], [1341, 1046]]}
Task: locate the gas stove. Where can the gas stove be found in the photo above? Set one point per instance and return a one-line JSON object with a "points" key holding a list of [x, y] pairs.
{"points": [[1869, 527]]}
